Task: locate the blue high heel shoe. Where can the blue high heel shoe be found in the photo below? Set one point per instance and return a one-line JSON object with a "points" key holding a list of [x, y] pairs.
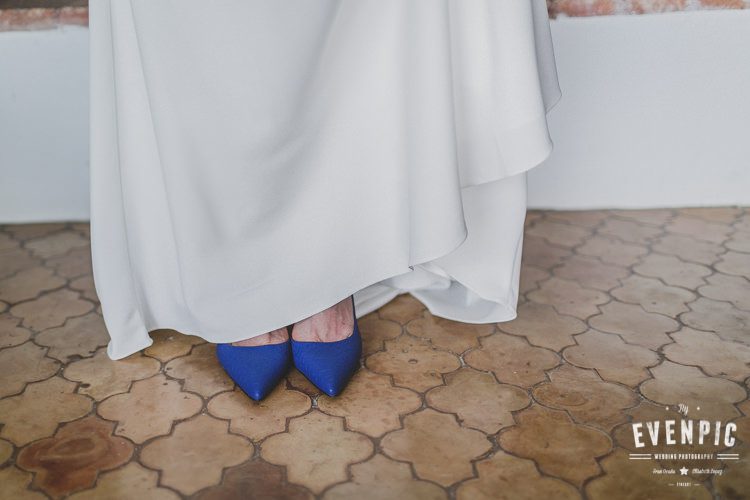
{"points": [[256, 369], [329, 365]]}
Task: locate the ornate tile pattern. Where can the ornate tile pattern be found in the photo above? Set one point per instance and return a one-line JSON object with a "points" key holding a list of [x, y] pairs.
{"points": [[623, 315]]}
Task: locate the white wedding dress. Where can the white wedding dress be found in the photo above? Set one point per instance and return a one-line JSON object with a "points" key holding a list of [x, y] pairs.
{"points": [[254, 162]]}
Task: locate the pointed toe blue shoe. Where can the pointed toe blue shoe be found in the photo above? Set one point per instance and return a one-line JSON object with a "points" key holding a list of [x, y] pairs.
{"points": [[329, 365], [256, 369]]}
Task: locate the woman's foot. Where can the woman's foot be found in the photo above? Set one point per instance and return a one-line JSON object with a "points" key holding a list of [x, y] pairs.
{"points": [[275, 337], [333, 324], [327, 347]]}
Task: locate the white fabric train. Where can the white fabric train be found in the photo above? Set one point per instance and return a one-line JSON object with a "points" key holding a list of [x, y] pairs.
{"points": [[255, 162]]}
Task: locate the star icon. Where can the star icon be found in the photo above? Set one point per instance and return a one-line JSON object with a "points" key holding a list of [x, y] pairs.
{"points": [[683, 471]]}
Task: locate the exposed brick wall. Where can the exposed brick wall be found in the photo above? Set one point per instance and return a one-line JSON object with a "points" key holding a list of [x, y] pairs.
{"points": [[46, 14], [577, 8]]}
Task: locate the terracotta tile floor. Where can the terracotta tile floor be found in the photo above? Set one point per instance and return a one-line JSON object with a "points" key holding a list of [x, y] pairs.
{"points": [[624, 315]]}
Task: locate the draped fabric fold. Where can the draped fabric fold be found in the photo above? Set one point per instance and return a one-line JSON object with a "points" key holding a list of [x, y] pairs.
{"points": [[253, 162]]}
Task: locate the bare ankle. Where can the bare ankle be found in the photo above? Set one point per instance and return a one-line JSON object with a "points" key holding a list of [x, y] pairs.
{"points": [[274, 337]]}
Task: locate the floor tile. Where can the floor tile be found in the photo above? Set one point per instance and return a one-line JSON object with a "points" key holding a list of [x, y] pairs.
{"points": [[634, 324], [51, 310], [550, 438], [505, 477], [382, 479], [512, 360], [258, 419], [149, 409], [413, 363], [36, 413], [255, 478], [612, 358], [446, 460], [206, 448], [131, 481], [543, 326], [478, 400], [102, 377], [448, 335], [317, 450], [79, 337], [71, 459], [586, 397], [371, 404], [23, 364], [623, 315], [568, 297]]}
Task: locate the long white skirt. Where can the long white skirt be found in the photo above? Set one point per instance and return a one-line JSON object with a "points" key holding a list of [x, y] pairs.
{"points": [[255, 162]]}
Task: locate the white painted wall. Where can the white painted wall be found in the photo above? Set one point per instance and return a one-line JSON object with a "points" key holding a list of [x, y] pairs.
{"points": [[655, 112], [44, 125]]}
